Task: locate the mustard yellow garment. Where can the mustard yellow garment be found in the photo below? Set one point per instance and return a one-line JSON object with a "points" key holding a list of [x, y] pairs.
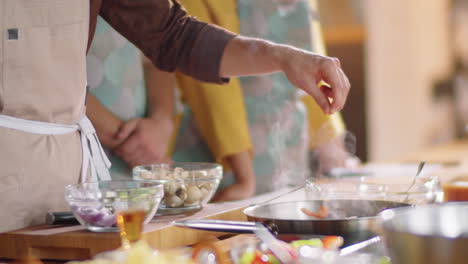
{"points": [[322, 128], [219, 110]]}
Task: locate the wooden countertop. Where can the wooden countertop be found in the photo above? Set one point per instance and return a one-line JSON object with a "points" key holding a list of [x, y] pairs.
{"points": [[74, 242]]}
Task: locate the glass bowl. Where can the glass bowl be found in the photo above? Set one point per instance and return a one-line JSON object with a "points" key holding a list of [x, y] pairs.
{"points": [[339, 190], [96, 204], [426, 189], [187, 185]]}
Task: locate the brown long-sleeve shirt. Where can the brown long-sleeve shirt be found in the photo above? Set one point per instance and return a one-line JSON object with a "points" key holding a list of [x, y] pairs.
{"points": [[166, 35]]}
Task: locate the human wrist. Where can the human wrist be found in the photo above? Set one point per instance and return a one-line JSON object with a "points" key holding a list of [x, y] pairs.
{"points": [[247, 181], [271, 53], [278, 55], [163, 118], [109, 137]]}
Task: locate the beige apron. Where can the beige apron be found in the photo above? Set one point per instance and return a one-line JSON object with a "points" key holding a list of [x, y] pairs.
{"points": [[42, 95]]}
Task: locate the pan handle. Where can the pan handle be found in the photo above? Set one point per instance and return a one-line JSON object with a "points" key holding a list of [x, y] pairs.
{"points": [[220, 225]]}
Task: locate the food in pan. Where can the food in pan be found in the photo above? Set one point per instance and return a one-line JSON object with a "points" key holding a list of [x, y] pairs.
{"points": [[186, 185], [321, 213], [332, 242]]}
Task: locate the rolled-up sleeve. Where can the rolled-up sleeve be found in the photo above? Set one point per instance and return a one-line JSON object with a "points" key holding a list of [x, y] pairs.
{"points": [[173, 40]]}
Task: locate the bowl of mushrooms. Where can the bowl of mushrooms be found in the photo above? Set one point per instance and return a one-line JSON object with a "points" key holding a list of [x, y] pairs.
{"points": [[187, 185]]}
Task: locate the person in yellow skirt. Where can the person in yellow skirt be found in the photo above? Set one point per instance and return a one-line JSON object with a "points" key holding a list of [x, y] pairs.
{"points": [[260, 128]]}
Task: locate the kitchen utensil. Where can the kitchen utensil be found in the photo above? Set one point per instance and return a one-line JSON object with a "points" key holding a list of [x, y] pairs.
{"points": [[426, 234], [354, 220], [61, 218], [420, 167], [96, 204], [256, 228], [356, 247], [222, 226], [187, 185]]}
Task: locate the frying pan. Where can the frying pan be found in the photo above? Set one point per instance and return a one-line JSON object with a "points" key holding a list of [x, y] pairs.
{"points": [[354, 220]]}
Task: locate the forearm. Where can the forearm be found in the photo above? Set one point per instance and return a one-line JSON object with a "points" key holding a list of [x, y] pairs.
{"points": [[105, 122], [247, 56], [305, 70], [160, 92], [241, 164], [244, 187]]}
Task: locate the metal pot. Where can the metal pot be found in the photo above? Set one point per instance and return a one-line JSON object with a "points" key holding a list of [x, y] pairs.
{"points": [[427, 234]]}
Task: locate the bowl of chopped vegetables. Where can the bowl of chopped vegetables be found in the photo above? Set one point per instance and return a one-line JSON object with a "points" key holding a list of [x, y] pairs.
{"points": [[96, 204], [187, 185]]}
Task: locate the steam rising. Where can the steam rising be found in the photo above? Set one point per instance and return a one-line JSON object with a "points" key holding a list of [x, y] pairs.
{"points": [[332, 151]]}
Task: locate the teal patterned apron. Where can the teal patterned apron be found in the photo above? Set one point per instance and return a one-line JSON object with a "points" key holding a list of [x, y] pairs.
{"points": [[277, 118]]}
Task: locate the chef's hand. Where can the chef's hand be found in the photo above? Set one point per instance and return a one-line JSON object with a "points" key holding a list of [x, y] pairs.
{"points": [[247, 56], [305, 70], [145, 141]]}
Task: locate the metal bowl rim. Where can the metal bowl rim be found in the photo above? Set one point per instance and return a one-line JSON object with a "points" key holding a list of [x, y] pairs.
{"points": [[389, 214]]}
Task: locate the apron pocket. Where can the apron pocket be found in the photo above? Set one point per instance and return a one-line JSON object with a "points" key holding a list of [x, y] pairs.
{"points": [[42, 13], [44, 68]]}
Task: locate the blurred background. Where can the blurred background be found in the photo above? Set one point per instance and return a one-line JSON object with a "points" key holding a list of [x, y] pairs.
{"points": [[408, 66]]}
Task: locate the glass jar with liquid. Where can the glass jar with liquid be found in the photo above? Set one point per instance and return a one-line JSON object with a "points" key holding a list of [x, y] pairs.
{"points": [[456, 190]]}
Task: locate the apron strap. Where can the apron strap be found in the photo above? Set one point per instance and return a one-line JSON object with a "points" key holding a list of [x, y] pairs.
{"points": [[36, 127], [93, 153], [94, 156]]}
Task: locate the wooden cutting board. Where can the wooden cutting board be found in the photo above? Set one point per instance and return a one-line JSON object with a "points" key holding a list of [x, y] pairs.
{"points": [[76, 243]]}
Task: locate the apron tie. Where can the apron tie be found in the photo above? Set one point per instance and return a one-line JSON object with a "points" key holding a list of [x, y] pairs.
{"points": [[94, 156], [93, 153]]}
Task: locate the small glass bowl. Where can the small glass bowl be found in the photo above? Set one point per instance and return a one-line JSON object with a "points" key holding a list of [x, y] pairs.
{"points": [[426, 189], [96, 204], [338, 190], [188, 186]]}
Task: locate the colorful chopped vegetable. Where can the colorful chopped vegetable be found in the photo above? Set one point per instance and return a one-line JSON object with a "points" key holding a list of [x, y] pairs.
{"points": [[314, 242], [257, 256], [332, 242]]}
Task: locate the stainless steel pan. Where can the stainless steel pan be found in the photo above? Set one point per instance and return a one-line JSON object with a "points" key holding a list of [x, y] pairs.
{"points": [[354, 220]]}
